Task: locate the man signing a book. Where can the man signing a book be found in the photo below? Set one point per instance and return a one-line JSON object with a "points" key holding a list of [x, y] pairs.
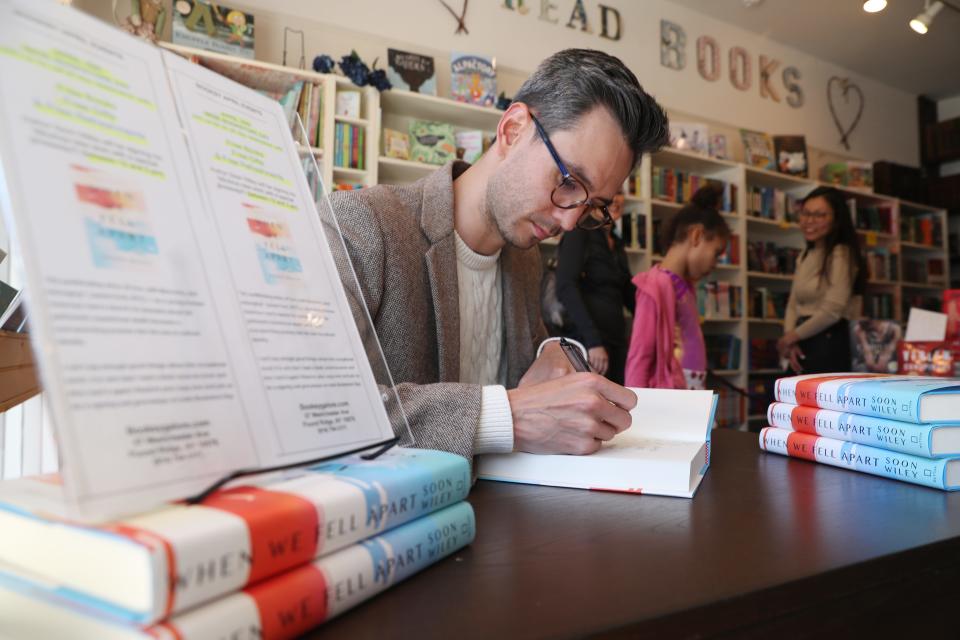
{"points": [[451, 277]]}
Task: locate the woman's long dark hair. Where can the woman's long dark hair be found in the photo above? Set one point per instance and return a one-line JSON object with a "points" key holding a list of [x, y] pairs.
{"points": [[842, 232]]}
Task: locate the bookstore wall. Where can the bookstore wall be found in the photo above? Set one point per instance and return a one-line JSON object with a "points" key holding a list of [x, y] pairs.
{"points": [[517, 34], [773, 89]]}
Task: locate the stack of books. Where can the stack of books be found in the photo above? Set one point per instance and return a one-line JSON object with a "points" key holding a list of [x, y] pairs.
{"points": [[901, 427], [266, 561]]}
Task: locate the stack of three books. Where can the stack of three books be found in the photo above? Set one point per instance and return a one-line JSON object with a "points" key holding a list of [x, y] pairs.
{"points": [[901, 427], [263, 561]]}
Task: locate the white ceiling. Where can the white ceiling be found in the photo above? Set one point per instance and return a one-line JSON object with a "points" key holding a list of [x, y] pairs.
{"points": [[879, 45]]}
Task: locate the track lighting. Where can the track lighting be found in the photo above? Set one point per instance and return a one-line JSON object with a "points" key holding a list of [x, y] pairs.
{"points": [[874, 6], [921, 24]]}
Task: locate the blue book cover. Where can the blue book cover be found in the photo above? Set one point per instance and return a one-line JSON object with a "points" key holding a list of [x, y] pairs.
{"points": [[942, 473], [926, 440], [914, 399]]}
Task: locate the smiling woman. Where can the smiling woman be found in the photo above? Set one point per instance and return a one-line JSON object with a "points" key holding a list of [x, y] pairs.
{"points": [[826, 288]]}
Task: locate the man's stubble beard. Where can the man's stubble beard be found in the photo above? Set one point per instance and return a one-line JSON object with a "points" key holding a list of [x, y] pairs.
{"points": [[501, 202]]}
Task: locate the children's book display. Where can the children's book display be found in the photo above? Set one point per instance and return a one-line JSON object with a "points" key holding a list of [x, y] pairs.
{"points": [[665, 452], [758, 150], [193, 319], [432, 142], [791, 154], [473, 79], [411, 72], [214, 27], [901, 427]]}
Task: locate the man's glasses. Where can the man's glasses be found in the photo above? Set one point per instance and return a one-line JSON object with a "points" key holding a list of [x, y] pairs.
{"points": [[571, 193]]}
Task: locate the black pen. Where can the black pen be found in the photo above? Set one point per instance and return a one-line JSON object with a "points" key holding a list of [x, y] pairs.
{"points": [[574, 356]]}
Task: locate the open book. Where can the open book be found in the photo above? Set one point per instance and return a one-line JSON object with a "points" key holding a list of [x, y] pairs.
{"points": [[665, 452], [186, 311]]}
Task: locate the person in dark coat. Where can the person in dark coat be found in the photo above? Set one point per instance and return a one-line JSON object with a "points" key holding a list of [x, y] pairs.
{"points": [[593, 284]]}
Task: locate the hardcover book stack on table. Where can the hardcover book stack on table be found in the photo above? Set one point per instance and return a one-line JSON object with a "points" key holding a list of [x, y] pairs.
{"points": [[269, 561], [901, 427]]}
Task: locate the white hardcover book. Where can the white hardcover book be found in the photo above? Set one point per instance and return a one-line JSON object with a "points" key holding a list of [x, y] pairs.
{"points": [[665, 452]]}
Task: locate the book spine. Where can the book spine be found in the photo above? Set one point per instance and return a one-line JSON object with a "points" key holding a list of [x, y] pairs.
{"points": [[904, 437], [316, 99], [293, 603], [856, 457], [862, 394], [246, 534]]}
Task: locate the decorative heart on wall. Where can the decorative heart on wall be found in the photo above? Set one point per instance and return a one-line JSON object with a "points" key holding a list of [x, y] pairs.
{"points": [[844, 87]]}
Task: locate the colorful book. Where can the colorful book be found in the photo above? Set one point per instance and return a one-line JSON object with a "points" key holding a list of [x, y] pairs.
{"points": [[282, 607], [942, 473], [665, 452], [411, 72], [473, 79], [927, 440], [181, 556], [469, 145], [905, 398], [432, 142], [758, 149], [214, 27], [791, 155], [396, 144]]}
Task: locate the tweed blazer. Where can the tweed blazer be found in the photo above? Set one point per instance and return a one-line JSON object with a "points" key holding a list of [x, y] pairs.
{"points": [[401, 242]]}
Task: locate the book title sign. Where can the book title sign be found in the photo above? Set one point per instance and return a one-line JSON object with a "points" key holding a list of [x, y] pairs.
{"points": [[673, 55], [609, 17]]}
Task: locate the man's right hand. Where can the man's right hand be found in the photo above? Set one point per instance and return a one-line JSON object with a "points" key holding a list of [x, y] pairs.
{"points": [[573, 414]]}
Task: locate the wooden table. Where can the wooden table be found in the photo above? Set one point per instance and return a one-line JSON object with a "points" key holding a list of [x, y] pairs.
{"points": [[768, 546]]}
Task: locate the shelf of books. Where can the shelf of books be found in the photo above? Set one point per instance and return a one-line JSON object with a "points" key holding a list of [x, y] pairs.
{"points": [[340, 120], [422, 132]]}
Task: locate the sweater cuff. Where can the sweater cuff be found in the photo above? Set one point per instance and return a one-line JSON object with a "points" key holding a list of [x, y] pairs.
{"points": [[583, 349], [495, 431]]}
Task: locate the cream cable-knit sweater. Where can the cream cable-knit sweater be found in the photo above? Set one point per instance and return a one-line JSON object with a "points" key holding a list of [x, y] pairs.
{"points": [[481, 344]]}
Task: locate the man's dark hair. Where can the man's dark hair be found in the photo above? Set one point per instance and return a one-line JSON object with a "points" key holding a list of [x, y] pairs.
{"points": [[571, 82]]}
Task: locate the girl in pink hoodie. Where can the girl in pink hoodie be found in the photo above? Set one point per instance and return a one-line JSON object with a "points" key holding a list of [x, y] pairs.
{"points": [[667, 349]]}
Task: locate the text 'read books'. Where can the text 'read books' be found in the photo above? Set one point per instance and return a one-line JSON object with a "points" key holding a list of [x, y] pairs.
{"points": [[926, 440], [284, 606], [942, 473], [186, 311], [665, 452], [178, 556], [914, 399]]}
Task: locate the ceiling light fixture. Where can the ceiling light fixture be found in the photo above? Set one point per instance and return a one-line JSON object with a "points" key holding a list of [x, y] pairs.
{"points": [[921, 24], [874, 6]]}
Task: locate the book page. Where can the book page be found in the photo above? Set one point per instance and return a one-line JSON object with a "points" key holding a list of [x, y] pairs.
{"points": [[675, 415], [280, 280]]}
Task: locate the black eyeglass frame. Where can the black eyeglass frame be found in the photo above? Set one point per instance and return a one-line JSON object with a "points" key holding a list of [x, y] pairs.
{"points": [[587, 222]]}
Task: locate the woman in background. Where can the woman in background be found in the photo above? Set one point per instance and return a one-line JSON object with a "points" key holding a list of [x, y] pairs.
{"points": [[667, 350], [593, 284], [826, 288]]}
